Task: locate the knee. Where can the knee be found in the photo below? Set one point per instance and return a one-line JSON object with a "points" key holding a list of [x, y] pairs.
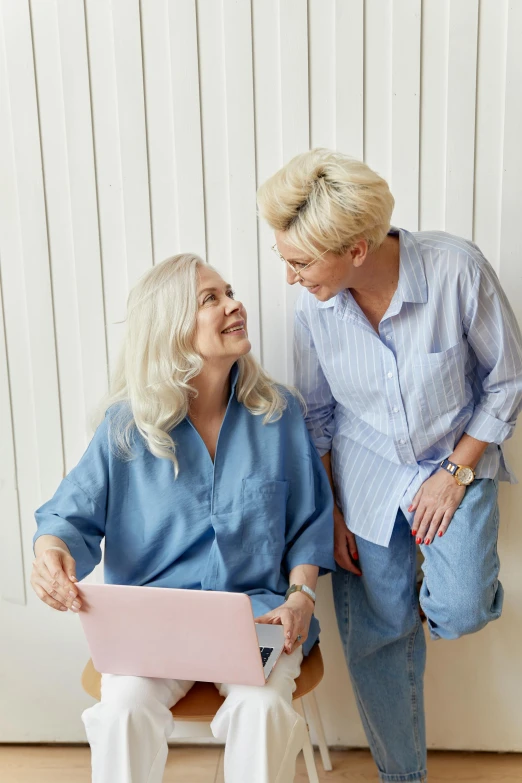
{"points": [[125, 699], [128, 693], [259, 701], [465, 613]]}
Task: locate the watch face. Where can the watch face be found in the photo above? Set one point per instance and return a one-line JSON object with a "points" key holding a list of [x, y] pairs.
{"points": [[465, 475]]}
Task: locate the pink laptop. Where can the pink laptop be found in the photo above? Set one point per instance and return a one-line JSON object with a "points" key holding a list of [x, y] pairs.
{"points": [[180, 634]]}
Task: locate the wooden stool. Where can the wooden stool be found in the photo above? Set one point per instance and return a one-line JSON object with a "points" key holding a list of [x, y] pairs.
{"points": [[203, 701]]}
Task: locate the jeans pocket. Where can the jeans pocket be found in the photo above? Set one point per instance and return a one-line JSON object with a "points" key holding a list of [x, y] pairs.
{"points": [[263, 516]]}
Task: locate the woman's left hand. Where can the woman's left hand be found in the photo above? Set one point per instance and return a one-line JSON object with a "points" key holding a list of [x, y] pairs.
{"points": [[434, 505], [295, 616]]}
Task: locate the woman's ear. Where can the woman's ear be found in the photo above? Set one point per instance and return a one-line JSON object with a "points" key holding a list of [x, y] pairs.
{"points": [[359, 252]]}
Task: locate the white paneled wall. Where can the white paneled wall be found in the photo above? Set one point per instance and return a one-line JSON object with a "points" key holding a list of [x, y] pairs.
{"points": [[130, 131]]}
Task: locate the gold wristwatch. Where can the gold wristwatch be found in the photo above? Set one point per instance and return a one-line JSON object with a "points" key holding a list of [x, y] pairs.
{"points": [[463, 474]]}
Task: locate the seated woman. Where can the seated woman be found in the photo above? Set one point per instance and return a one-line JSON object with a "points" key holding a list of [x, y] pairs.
{"points": [[200, 476]]}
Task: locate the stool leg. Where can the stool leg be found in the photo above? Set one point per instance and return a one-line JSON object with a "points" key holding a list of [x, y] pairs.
{"points": [[308, 751], [313, 715]]}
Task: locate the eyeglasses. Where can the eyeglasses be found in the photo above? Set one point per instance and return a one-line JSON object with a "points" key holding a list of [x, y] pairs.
{"points": [[303, 266]]}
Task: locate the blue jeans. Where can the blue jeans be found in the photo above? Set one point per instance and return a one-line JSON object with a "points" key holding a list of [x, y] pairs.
{"points": [[381, 632]]}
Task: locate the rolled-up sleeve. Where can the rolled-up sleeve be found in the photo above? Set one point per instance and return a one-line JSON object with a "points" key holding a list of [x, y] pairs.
{"points": [[494, 335], [309, 515], [311, 382], [77, 512]]}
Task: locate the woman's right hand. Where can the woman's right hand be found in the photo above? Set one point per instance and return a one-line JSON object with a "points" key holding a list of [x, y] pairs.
{"points": [[345, 546], [53, 578]]}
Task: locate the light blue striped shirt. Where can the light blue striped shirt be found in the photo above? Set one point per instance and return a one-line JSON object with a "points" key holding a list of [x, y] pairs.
{"points": [[391, 406]]}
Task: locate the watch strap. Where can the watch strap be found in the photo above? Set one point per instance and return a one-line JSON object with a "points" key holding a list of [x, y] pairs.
{"points": [[300, 588], [451, 467]]}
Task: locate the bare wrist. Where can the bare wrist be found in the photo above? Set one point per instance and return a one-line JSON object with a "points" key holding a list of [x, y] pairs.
{"points": [[300, 599], [45, 542]]}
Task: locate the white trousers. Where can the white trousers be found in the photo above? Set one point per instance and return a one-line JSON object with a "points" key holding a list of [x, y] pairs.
{"points": [[129, 728]]}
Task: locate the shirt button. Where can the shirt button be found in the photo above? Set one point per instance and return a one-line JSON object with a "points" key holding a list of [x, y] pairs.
{"points": [[395, 410], [388, 336], [402, 441], [390, 375]]}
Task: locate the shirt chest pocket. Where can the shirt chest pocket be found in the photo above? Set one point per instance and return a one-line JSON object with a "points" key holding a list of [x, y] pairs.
{"points": [[440, 380], [263, 516]]}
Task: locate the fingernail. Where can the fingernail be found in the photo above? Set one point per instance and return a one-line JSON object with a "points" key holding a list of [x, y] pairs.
{"points": [[441, 533], [355, 556], [75, 605], [414, 532], [410, 508], [73, 579], [63, 608], [73, 595], [418, 540], [427, 541]]}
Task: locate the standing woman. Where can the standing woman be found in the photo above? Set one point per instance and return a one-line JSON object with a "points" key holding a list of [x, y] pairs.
{"points": [[409, 358]]}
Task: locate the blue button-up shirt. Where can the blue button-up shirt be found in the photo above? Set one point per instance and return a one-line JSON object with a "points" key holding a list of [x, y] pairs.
{"points": [[390, 406], [239, 524]]}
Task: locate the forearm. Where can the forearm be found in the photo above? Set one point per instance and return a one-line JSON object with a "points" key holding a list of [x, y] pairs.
{"points": [[468, 451], [326, 459], [47, 542], [304, 575]]}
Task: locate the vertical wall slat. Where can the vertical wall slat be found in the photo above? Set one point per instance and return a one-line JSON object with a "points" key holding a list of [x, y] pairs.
{"points": [[293, 56], [511, 198], [187, 124], [405, 111], [433, 107], [214, 135], [491, 87], [12, 587], [21, 94], [15, 378], [268, 130], [377, 86], [53, 131], [120, 143], [156, 18], [295, 112], [67, 151], [349, 77], [84, 207], [173, 123], [126, 37], [109, 173], [322, 76], [460, 126], [240, 153]]}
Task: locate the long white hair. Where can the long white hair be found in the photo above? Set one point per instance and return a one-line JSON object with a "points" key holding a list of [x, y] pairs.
{"points": [[158, 360]]}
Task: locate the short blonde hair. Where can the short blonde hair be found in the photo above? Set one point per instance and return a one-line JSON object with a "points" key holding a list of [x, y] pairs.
{"points": [[324, 200], [158, 360]]}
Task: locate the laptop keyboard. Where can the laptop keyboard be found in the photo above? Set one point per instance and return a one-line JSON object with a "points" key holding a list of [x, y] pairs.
{"points": [[265, 653]]}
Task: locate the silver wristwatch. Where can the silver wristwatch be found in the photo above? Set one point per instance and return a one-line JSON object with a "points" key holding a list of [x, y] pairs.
{"points": [[300, 588]]}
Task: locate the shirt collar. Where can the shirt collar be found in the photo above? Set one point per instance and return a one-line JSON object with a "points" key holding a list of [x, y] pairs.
{"points": [[412, 276], [234, 375]]}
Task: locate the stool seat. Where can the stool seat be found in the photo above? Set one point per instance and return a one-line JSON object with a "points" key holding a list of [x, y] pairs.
{"points": [[203, 700]]}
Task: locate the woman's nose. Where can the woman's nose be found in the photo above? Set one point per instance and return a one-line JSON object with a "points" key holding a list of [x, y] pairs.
{"points": [[233, 305], [291, 275]]}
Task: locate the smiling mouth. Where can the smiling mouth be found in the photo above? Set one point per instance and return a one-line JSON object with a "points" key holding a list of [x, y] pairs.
{"points": [[236, 328]]}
